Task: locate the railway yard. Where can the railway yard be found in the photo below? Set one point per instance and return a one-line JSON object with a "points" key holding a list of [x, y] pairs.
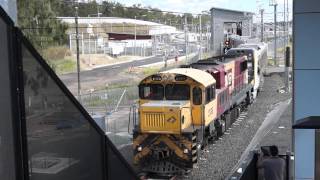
{"points": [[125, 90], [265, 122]]}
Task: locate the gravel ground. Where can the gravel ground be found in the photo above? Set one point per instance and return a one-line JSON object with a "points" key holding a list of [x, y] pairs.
{"points": [[217, 160]]}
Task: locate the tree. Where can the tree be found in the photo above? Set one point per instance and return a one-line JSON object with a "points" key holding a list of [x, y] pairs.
{"points": [[38, 21]]}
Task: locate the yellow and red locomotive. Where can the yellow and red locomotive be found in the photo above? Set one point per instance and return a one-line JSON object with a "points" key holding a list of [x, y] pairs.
{"points": [[182, 109]]}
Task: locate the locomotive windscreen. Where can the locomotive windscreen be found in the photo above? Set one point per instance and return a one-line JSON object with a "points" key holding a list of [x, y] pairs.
{"points": [[151, 91], [177, 92]]}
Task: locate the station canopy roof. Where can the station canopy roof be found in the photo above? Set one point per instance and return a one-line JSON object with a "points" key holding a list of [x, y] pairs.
{"points": [[230, 10]]}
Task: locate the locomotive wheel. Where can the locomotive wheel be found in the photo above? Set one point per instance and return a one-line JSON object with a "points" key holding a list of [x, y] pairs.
{"points": [[219, 129], [249, 99]]}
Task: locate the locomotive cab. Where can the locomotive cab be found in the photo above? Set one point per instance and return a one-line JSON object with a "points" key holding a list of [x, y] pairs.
{"points": [[171, 102], [175, 106]]}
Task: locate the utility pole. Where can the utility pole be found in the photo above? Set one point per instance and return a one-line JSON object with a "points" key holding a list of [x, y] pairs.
{"points": [[274, 4], [287, 66], [262, 25], [288, 38], [275, 34], [186, 35], [98, 13], [135, 34], [78, 55], [207, 36], [284, 23], [200, 29]]}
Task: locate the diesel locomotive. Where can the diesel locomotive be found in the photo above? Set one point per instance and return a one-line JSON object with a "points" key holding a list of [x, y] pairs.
{"points": [[183, 109]]}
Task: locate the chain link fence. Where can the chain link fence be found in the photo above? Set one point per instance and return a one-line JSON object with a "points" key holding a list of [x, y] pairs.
{"points": [[110, 108], [109, 100]]}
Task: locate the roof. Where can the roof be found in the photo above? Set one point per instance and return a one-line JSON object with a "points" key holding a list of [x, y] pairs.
{"points": [[154, 28], [119, 36], [237, 11], [201, 77], [312, 122]]}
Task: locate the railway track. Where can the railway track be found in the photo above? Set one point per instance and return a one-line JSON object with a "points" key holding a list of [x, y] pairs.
{"points": [[218, 160], [236, 124]]}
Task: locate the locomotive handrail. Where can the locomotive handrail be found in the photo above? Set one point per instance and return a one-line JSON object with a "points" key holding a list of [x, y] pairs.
{"points": [[134, 118]]}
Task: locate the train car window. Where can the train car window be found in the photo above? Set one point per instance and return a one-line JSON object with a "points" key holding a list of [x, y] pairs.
{"points": [[210, 93], [213, 92], [151, 91], [244, 66], [197, 96], [177, 92], [207, 95]]}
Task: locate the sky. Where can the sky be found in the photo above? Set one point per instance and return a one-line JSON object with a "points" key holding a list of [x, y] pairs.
{"points": [[197, 6]]}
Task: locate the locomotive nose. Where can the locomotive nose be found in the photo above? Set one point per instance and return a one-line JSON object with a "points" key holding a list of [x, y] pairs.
{"points": [[164, 118]]}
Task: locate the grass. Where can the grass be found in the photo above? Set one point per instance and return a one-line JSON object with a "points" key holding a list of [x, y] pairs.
{"points": [[282, 49], [55, 53], [271, 62], [150, 70], [116, 86], [96, 101], [63, 66]]}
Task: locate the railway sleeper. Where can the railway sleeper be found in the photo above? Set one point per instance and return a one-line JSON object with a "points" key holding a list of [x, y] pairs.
{"points": [[165, 168]]}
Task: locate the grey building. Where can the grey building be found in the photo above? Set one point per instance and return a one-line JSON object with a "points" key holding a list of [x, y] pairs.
{"points": [[306, 96], [225, 21]]}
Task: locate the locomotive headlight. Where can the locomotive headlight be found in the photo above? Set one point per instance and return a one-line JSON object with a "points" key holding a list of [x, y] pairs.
{"points": [[182, 120], [139, 148], [185, 151]]}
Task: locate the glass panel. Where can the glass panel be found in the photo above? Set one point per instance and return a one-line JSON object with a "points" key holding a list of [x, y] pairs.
{"points": [[62, 144], [304, 51], [151, 91], [10, 6], [177, 92], [117, 168], [207, 95], [317, 154], [7, 165], [197, 96]]}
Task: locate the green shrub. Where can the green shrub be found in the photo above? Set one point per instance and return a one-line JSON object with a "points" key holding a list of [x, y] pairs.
{"points": [[63, 66], [56, 53], [150, 70]]}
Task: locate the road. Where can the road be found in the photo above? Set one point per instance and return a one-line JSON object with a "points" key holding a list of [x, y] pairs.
{"points": [[108, 70], [105, 75], [109, 74]]}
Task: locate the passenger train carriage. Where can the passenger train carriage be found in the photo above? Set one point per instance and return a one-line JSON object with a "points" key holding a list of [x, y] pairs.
{"points": [[257, 63], [183, 109]]}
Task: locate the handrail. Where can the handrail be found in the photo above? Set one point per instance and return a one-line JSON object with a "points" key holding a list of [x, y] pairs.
{"points": [[116, 108], [132, 110]]}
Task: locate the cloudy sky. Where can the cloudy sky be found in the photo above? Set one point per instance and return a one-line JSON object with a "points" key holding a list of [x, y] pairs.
{"points": [[196, 6]]}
